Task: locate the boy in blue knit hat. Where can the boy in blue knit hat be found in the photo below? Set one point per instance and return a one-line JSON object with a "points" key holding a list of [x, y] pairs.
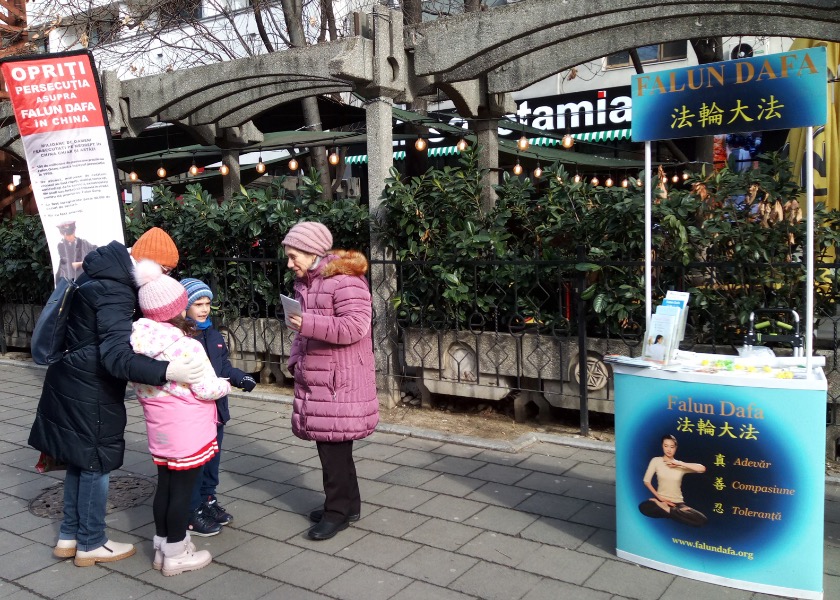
{"points": [[207, 516]]}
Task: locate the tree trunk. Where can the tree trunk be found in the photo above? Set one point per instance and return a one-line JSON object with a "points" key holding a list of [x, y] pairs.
{"points": [[416, 161], [293, 15], [258, 17], [708, 50]]}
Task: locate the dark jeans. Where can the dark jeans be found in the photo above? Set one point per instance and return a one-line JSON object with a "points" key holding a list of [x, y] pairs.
{"points": [[341, 486], [171, 501], [85, 503], [209, 478]]}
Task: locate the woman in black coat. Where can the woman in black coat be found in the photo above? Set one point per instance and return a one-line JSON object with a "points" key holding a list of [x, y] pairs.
{"points": [[81, 415]]}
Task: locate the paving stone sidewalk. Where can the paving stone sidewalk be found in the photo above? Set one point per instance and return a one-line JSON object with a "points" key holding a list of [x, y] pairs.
{"points": [[440, 520]]}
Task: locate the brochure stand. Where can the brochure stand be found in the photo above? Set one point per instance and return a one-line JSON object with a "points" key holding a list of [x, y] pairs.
{"points": [[720, 463], [761, 493]]}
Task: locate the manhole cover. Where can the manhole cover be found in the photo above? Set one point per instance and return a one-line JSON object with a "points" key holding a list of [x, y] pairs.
{"points": [[123, 492]]}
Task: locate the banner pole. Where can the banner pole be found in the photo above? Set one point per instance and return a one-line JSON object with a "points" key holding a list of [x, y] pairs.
{"points": [[648, 236], [809, 248]]}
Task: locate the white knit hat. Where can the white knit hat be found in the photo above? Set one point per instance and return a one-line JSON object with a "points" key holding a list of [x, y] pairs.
{"points": [[161, 297]]}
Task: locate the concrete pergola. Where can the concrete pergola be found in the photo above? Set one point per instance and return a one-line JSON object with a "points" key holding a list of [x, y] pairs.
{"points": [[475, 59]]}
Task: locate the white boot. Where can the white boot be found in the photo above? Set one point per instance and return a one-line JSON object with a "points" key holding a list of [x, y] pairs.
{"points": [[65, 549], [110, 551], [182, 556], [157, 542]]}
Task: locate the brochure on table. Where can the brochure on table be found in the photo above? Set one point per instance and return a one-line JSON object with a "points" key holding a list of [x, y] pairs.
{"points": [[753, 509], [666, 329], [738, 369]]}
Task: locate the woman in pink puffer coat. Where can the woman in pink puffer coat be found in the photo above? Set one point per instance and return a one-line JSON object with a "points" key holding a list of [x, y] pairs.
{"points": [[333, 366]]}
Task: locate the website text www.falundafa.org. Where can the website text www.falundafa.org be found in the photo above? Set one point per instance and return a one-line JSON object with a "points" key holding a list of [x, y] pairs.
{"points": [[719, 549]]}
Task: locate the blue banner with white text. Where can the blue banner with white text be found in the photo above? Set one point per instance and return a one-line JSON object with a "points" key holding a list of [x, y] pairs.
{"points": [[773, 91]]}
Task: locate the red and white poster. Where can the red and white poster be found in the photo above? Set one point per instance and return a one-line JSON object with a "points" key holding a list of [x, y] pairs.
{"points": [[58, 106]]}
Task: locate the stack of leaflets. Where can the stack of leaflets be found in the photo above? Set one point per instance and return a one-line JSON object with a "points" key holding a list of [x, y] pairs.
{"points": [[667, 328]]}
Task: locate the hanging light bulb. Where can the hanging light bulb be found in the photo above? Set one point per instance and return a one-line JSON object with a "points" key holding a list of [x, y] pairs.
{"points": [[594, 180], [193, 169], [260, 166], [625, 182], [333, 158], [577, 178], [133, 176], [640, 182], [161, 172], [568, 141], [224, 169], [609, 182], [11, 187], [420, 144], [461, 145], [517, 168], [293, 164], [685, 176], [538, 171], [675, 178], [523, 143]]}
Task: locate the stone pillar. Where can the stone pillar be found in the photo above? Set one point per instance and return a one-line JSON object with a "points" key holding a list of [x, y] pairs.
{"points": [[231, 181], [383, 280], [487, 136]]}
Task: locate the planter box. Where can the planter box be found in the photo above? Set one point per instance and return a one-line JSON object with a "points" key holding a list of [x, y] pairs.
{"points": [[259, 344], [19, 322], [490, 365]]}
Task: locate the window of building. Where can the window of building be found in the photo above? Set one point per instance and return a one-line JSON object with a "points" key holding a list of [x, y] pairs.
{"points": [[102, 31], [650, 54], [236, 4], [180, 11]]}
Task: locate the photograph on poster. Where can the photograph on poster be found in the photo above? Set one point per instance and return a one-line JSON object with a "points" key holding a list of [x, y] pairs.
{"points": [[71, 251], [667, 501]]}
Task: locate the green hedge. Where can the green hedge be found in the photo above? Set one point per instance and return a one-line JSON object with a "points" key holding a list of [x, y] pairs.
{"points": [[731, 260]]}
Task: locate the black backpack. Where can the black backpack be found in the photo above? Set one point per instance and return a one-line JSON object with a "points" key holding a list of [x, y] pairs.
{"points": [[50, 329]]}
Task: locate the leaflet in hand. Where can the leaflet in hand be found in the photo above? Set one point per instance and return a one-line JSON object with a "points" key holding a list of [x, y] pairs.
{"points": [[290, 307]]}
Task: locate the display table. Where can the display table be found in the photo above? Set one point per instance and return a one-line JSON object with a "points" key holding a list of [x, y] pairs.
{"points": [[750, 452]]}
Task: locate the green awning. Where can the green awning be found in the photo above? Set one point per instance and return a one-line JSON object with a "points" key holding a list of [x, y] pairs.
{"points": [[545, 149], [603, 136], [589, 136]]}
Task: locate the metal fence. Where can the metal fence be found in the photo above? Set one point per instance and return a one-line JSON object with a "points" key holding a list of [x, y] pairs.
{"points": [[513, 330]]}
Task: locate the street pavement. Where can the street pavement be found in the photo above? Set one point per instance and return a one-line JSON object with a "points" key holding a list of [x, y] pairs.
{"points": [[443, 518]]}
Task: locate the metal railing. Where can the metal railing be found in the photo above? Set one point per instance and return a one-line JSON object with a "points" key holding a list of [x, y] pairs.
{"points": [[493, 330]]}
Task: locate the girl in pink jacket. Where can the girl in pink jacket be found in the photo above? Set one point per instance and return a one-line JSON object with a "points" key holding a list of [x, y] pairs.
{"points": [[180, 419], [333, 366]]}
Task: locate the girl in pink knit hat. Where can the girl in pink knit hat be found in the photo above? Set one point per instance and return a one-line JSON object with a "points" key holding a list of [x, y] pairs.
{"points": [[332, 361], [180, 419]]}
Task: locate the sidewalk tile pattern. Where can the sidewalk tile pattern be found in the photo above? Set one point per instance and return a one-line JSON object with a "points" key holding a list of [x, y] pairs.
{"points": [[440, 520]]}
